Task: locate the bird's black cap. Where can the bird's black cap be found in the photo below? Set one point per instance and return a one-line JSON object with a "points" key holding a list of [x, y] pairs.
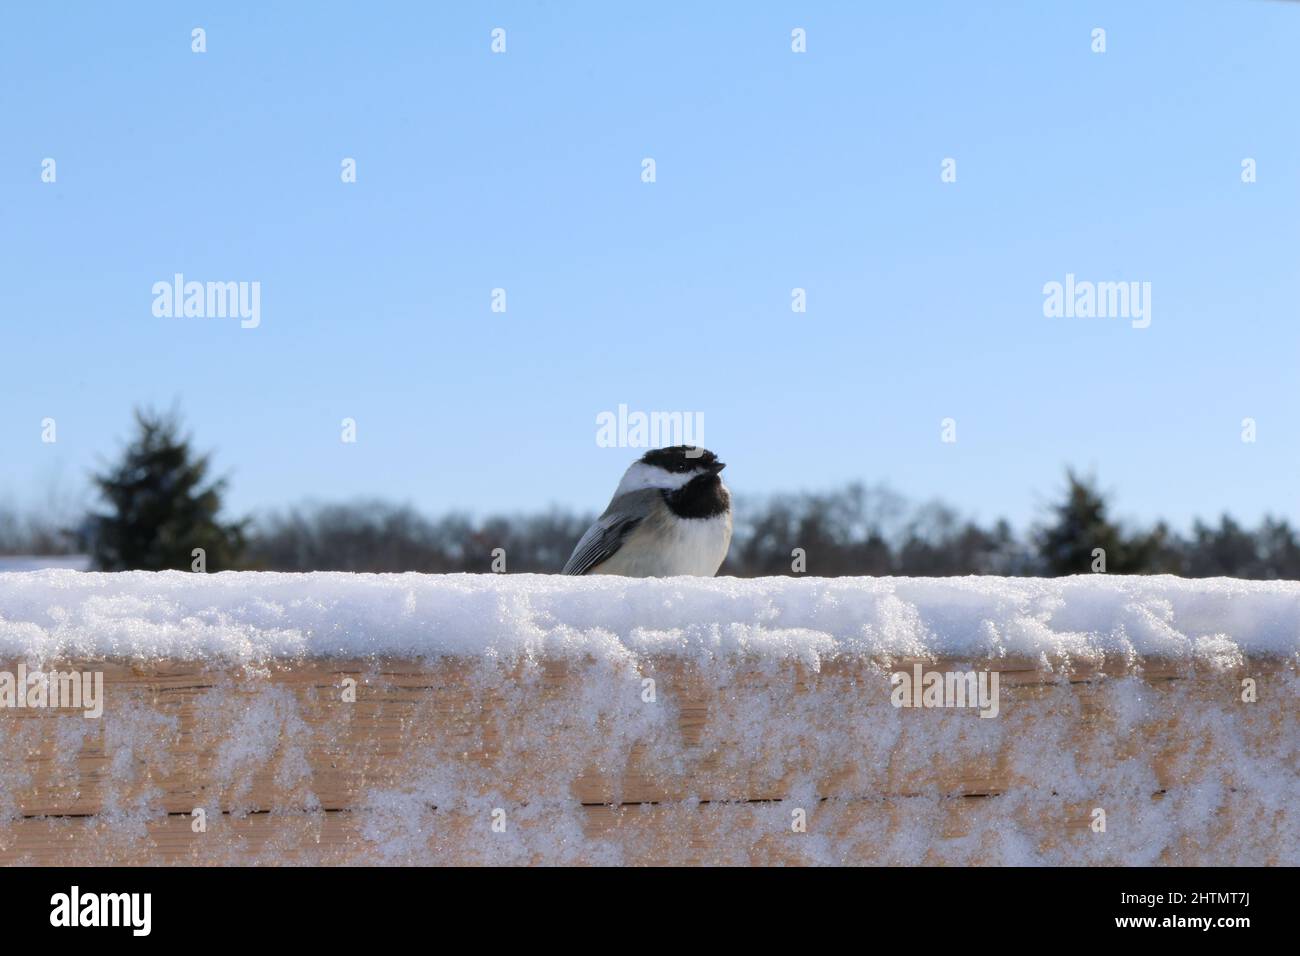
{"points": [[682, 458]]}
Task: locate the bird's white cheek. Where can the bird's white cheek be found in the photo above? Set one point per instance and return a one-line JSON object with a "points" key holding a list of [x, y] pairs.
{"points": [[641, 476]]}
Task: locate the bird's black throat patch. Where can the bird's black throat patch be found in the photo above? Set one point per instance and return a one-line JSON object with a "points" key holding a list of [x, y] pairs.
{"points": [[701, 497]]}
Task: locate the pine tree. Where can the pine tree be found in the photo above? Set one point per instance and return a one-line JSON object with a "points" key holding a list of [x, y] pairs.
{"points": [[1081, 525], [162, 506]]}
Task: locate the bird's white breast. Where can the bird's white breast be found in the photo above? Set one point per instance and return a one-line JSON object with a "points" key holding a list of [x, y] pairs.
{"points": [[665, 545]]}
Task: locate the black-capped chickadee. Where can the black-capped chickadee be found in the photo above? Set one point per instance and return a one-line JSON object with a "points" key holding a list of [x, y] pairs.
{"points": [[671, 514]]}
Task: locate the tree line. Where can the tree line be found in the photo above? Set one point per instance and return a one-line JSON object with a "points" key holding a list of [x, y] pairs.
{"points": [[161, 507]]}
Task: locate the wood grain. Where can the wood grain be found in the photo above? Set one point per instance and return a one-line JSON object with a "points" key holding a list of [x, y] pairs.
{"points": [[587, 771]]}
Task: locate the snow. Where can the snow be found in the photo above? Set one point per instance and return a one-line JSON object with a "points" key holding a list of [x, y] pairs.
{"points": [[41, 562], [251, 617], [796, 675]]}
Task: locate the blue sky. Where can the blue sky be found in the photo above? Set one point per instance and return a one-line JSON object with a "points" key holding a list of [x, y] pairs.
{"points": [[774, 170]]}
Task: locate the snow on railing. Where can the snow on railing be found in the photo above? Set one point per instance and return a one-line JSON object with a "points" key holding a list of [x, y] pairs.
{"points": [[512, 719]]}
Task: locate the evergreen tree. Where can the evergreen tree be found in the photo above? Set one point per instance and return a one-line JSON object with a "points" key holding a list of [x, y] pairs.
{"points": [[162, 505], [1082, 525], [1280, 549], [1228, 550]]}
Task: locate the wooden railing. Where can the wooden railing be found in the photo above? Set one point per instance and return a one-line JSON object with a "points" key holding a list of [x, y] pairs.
{"points": [[657, 758]]}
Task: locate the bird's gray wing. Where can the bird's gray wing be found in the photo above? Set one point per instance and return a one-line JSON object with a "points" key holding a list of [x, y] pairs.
{"points": [[607, 535], [600, 542]]}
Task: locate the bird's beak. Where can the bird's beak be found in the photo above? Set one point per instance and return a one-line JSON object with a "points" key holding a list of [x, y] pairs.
{"points": [[716, 467]]}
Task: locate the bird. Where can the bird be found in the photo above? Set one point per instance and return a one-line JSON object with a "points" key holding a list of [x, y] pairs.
{"points": [[670, 515]]}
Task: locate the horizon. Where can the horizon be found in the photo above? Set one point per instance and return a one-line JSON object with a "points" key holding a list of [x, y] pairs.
{"points": [[74, 515]]}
